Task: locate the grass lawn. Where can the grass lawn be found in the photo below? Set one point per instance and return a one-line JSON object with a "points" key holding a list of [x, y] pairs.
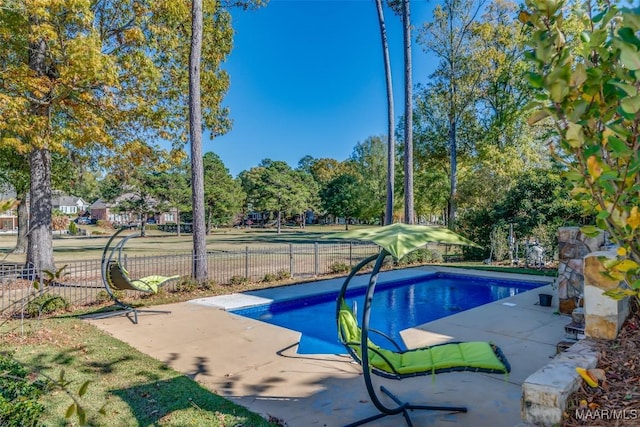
{"points": [[135, 389], [71, 248]]}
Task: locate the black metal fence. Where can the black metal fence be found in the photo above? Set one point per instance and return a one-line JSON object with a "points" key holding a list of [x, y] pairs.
{"points": [[80, 282]]}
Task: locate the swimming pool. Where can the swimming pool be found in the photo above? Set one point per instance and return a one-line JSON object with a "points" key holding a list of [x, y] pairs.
{"points": [[397, 305]]}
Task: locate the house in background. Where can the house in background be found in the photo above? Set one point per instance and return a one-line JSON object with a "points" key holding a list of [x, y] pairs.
{"points": [[8, 219], [105, 211], [68, 205]]}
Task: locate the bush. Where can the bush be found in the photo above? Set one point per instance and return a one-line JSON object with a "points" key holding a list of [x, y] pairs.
{"points": [[186, 284], [44, 304], [18, 396], [73, 228], [103, 296], [269, 277], [189, 284], [104, 224], [421, 256], [339, 267], [283, 275], [238, 280]]}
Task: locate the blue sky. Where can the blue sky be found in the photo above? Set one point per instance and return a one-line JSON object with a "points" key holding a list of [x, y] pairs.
{"points": [[307, 77]]}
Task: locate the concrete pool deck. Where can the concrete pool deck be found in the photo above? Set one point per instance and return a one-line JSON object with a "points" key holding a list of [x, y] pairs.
{"points": [[256, 365]]}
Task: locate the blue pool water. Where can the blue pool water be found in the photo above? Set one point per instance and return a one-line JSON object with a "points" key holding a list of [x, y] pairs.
{"points": [[396, 306]]}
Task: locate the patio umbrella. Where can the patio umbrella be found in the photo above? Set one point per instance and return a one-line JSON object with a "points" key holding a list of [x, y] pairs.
{"points": [[399, 239]]}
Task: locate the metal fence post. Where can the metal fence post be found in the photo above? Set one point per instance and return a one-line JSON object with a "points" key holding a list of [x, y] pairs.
{"points": [[315, 259], [291, 259], [350, 254], [246, 262]]}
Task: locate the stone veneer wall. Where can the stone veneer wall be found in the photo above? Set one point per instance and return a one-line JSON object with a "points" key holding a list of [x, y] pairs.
{"points": [[603, 316], [573, 246]]}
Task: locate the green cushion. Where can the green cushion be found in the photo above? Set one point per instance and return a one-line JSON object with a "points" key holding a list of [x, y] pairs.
{"points": [[474, 356]]}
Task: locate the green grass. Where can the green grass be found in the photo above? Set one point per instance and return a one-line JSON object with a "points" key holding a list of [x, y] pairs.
{"points": [[135, 389], [67, 248]]}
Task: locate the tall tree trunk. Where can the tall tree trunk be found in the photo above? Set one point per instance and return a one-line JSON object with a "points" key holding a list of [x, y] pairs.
{"points": [[23, 225], [278, 220], [408, 115], [453, 195], [143, 225], [391, 145], [40, 238], [178, 233], [453, 117], [195, 130]]}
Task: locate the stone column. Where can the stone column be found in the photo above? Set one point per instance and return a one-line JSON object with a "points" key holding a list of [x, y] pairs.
{"points": [[572, 247], [603, 315]]}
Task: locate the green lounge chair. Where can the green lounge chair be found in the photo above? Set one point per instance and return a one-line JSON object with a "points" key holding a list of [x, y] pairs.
{"points": [[116, 278], [397, 240]]}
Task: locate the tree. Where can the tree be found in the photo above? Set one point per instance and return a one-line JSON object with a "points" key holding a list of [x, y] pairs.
{"points": [[448, 37], [341, 197], [408, 115], [276, 188], [105, 77], [368, 164], [135, 193], [589, 87], [223, 195], [391, 144], [173, 191], [195, 135]]}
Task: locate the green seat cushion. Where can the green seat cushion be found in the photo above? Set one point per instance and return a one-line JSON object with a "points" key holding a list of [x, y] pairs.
{"points": [[472, 356], [151, 283]]}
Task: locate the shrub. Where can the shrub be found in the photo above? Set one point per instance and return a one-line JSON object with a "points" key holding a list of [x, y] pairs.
{"points": [[269, 277], [44, 304], [238, 280], [339, 267], [186, 284], [73, 228], [104, 224], [103, 296], [421, 256], [283, 275], [18, 396], [189, 284]]}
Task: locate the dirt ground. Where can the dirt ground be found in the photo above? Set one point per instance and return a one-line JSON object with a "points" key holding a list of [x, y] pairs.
{"points": [[616, 401]]}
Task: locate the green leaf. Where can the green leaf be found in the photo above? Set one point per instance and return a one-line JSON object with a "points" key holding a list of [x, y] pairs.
{"points": [[575, 135], [83, 388], [537, 116], [558, 91], [82, 416], [629, 56], [535, 80], [610, 175], [618, 146], [629, 36], [70, 411], [630, 105], [590, 230], [603, 215], [620, 130], [630, 90]]}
